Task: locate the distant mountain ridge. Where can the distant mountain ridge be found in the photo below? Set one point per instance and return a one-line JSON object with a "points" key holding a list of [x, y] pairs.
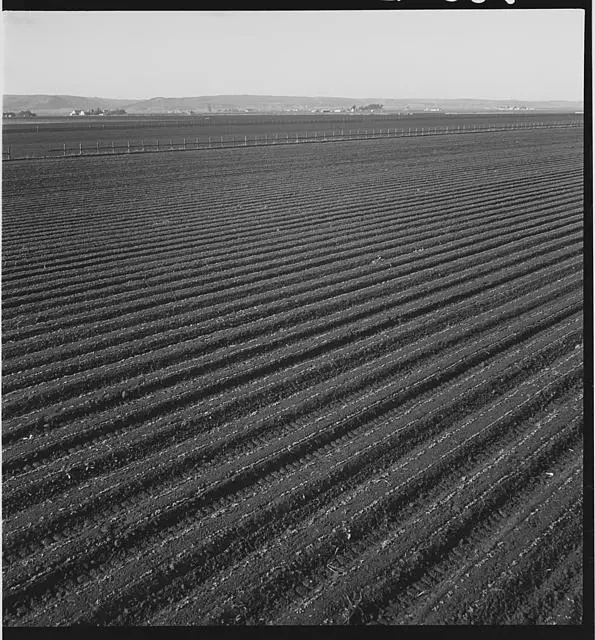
{"points": [[44, 104], [49, 104]]}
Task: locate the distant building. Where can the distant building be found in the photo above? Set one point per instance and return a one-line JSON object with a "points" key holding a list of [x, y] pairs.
{"points": [[97, 112]]}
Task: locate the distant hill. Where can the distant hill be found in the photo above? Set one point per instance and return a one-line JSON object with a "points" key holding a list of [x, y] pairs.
{"points": [[64, 104], [284, 103], [58, 105]]}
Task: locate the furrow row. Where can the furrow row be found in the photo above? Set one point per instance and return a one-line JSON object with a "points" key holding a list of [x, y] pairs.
{"points": [[308, 203], [180, 459], [185, 348], [181, 562], [252, 298], [298, 246], [234, 520], [26, 425], [182, 456]]}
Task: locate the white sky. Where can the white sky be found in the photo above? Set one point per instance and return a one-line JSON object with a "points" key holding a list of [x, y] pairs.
{"points": [[507, 54]]}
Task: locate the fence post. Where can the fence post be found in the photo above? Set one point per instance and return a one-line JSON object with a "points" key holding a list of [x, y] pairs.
{"points": [[266, 138], [245, 141], [296, 138], [9, 150], [222, 142], [80, 148], [197, 143], [142, 144], [209, 142], [97, 147], [184, 144], [128, 146], [157, 144], [64, 150]]}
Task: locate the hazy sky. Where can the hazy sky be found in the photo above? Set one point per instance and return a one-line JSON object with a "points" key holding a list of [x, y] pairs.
{"points": [[511, 53]]}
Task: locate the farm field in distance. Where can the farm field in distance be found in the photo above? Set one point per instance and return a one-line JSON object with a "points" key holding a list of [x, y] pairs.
{"points": [[308, 384], [38, 137]]}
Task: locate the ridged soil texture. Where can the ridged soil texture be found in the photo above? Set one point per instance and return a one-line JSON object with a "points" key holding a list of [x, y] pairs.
{"points": [[319, 384]]}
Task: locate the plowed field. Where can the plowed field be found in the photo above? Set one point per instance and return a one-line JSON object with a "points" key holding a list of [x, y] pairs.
{"points": [[37, 137], [319, 384]]}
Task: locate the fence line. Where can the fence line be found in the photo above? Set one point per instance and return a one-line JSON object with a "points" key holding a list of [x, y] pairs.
{"points": [[235, 141]]}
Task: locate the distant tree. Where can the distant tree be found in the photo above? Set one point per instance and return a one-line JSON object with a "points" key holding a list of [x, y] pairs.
{"points": [[371, 107]]}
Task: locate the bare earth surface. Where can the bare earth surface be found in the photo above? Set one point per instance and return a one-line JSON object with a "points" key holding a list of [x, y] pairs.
{"points": [[38, 137], [310, 384]]}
